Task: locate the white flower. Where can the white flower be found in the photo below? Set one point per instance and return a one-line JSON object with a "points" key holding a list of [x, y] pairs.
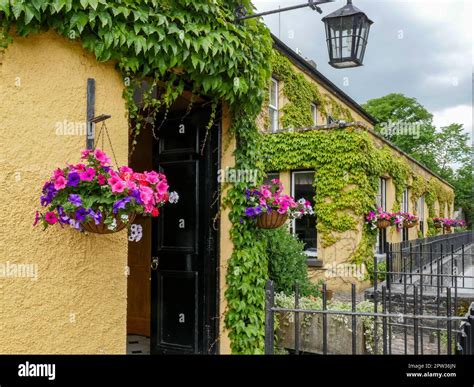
{"points": [[124, 218], [174, 197], [113, 225]]}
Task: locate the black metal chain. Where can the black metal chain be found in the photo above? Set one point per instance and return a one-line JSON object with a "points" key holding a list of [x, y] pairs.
{"points": [[100, 137]]}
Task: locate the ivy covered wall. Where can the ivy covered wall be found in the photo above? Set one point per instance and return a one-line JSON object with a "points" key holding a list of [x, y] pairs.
{"points": [[347, 162], [347, 165]]}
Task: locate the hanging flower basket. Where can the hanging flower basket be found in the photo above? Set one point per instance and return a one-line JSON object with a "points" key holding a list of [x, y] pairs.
{"points": [[410, 224], [91, 196], [383, 223], [379, 218], [271, 208], [103, 228], [438, 225], [271, 220], [447, 229]]}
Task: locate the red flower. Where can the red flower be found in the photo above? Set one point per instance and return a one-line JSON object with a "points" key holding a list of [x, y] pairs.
{"points": [[101, 179], [155, 212]]}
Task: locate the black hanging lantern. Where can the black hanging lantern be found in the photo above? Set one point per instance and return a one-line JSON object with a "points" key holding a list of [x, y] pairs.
{"points": [[347, 31]]}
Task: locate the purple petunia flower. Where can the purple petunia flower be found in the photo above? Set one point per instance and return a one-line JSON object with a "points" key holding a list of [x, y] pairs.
{"points": [[73, 179], [81, 214], [75, 199], [120, 204], [49, 188], [97, 216], [45, 200], [135, 194], [63, 218], [250, 211], [75, 224]]}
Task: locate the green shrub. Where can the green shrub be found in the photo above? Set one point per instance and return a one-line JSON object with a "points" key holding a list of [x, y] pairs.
{"points": [[381, 270], [287, 262]]}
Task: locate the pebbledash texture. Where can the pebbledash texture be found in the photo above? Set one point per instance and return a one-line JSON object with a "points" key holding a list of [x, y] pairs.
{"points": [[78, 302]]}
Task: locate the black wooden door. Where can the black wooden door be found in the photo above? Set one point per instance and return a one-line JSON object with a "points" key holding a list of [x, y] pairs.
{"points": [[184, 263]]}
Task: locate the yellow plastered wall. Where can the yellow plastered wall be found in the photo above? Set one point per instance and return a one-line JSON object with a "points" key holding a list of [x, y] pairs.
{"points": [[77, 304], [226, 245]]}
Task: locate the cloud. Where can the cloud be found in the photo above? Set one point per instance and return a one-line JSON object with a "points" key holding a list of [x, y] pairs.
{"points": [[421, 48], [461, 114]]}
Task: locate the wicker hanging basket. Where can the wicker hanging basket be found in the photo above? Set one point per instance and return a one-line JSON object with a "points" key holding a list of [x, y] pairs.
{"points": [[410, 224], [383, 223], [271, 220], [447, 229], [437, 225], [101, 228]]}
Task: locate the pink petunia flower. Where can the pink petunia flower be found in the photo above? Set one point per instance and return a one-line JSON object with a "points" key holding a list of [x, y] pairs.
{"points": [[118, 187], [58, 172], [51, 217], [152, 177], [37, 218], [146, 195], [85, 153], [131, 185], [87, 175], [102, 157], [60, 182], [126, 169], [162, 187], [114, 180]]}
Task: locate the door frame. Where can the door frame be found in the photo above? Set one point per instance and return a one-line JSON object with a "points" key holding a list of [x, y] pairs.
{"points": [[208, 311]]}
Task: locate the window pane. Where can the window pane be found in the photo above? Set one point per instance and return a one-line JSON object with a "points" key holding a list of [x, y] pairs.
{"points": [[421, 208], [274, 93], [305, 228], [314, 113], [405, 201], [382, 194], [273, 117]]}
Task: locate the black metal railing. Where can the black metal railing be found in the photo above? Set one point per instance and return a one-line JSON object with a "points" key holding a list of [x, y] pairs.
{"points": [[465, 339], [413, 310], [443, 257], [394, 332]]}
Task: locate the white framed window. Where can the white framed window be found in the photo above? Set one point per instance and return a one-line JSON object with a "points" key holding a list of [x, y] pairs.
{"points": [[302, 186], [382, 194], [314, 113], [405, 200], [273, 105], [421, 213]]}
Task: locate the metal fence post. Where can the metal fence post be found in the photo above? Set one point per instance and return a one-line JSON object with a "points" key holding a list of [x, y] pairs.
{"points": [[297, 320], [269, 318], [354, 319], [387, 265], [325, 320], [470, 319]]}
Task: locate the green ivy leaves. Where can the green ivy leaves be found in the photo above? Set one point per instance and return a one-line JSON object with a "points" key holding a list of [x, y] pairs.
{"points": [[347, 166]]}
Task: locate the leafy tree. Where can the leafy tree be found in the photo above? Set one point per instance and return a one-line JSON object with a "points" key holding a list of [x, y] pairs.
{"points": [[406, 123], [450, 148], [409, 125], [464, 187]]}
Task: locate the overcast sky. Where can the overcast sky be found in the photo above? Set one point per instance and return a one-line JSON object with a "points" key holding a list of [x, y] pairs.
{"points": [[421, 48]]}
